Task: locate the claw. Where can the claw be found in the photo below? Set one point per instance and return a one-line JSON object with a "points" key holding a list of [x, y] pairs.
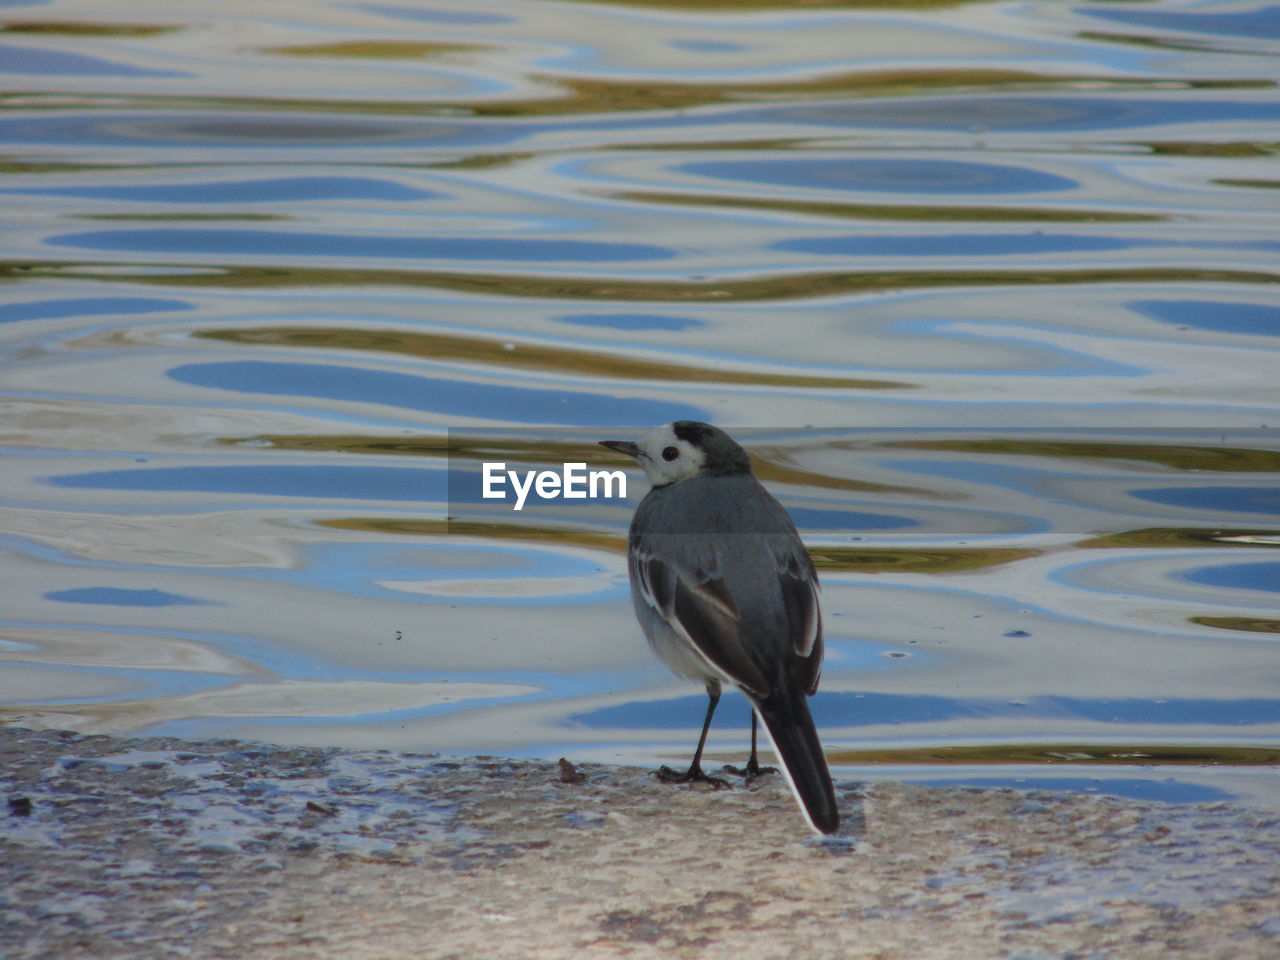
{"points": [[694, 774], [750, 771]]}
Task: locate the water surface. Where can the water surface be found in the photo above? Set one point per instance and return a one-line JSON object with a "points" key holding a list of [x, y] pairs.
{"points": [[988, 290]]}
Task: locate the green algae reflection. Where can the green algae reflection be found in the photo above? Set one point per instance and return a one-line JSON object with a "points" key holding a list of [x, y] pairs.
{"points": [[930, 560], [440, 346], [1197, 148], [781, 287], [1183, 537], [557, 536], [1249, 184], [184, 217], [454, 445], [1179, 457], [70, 28], [1048, 754], [889, 211], [1247, 624], [860, 560], [379, 49], [592, 95], [582, 95]]}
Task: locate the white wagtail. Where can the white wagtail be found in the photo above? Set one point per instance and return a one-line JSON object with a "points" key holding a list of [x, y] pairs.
{"points": [[726, 593]]}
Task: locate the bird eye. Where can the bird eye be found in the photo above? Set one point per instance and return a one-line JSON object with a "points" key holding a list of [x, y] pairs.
{"points": [[670, 453]]}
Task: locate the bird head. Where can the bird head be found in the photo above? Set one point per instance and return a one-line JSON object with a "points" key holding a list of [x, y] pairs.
{"points": [[687, 448]]}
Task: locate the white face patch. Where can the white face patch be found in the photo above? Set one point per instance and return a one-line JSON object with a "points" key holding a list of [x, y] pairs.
{"points": [[666, 458]]}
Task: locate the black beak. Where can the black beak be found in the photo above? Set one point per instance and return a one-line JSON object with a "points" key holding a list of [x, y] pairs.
{"points": [[622, 446]]}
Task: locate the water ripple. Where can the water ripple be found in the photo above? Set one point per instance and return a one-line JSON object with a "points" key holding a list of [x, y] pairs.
{"points": [[257, 242], [896, 175], [453, 396], [987, 291]]}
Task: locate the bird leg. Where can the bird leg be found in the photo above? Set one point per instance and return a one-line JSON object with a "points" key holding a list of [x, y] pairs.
{"points": [[695, 772], [753, 768]]}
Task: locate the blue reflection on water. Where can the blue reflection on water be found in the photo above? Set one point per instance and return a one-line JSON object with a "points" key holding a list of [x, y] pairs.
{"points": [[344, 566], [33, 61], [86, 307], [1167, 790], [1239, 576], [247, 131], [631, 321], [1233, 499], [846, 709], [119, 597], [896, 175], [1238, 713], [706, 46], [437, 395], [1259, 23], [1222, 316], [463, 18], [958, 245], [274, 190], [1045, 113], [312, 480], [142, 683], [277, 243]]}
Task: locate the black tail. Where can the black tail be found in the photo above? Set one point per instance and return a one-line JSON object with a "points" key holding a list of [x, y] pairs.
{"points": [[786, 717]]}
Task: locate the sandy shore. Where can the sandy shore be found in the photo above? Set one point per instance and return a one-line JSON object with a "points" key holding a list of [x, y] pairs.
{"points": [[165, 848]]}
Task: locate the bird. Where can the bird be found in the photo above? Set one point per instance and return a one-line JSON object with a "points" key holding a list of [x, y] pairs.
{"points": [[726, 593]]}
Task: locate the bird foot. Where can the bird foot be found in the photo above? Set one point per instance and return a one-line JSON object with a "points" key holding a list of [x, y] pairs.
{"points": [[694, 774], [750, 771]]}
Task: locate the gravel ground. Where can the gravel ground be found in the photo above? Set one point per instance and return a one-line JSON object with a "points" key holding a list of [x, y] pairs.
{"points": [[145, 848]]}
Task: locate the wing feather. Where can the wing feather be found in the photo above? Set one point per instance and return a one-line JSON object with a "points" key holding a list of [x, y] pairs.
{"points": [[798, 581], [698, 607]]}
